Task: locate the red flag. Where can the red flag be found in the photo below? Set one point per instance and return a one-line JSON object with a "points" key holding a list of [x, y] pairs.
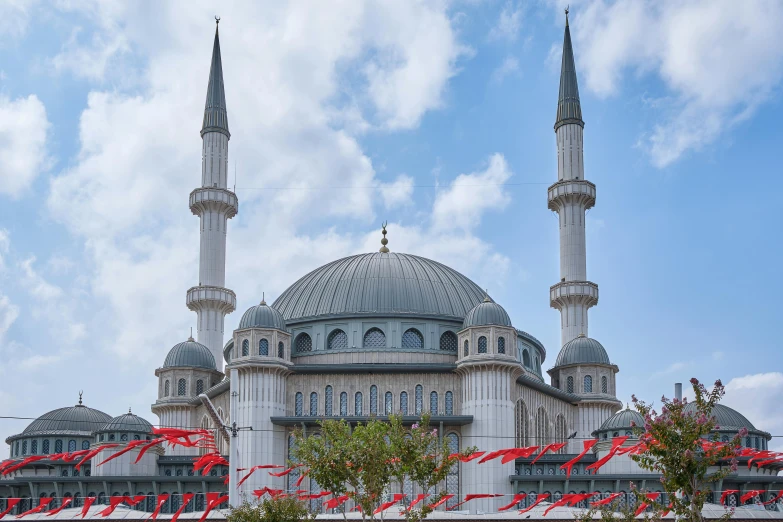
{"points": [[468, 458], [92, 453], [474, 496], [253, 470], [750, 494], [284, 473], [88, 501], [518, 453], [565, 499], [272, 492], [147, 446], [668, 508], [186, 498], [386, 505], [66, 502], [726, 494], [301, 478], [8, 462], [23, 463], [114, 501], [132, 444], [540, 499], [213, 501], [760, 455], [70, 457], [336, 502], [162, 498], [44, 502], [494, 454], [605, 501], [644, 504], [616, 443], [132, 501], [517, 499], [441, 501], [555, 446], [419, 498], [12, 502], [570, 464], [780, 494]]}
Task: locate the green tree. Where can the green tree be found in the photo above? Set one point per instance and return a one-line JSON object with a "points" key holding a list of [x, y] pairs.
{"points": [[276, 509]]}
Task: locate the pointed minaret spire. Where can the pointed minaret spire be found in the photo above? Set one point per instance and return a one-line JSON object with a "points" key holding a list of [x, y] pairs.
{"points": [[568, 108], [215, 115]]}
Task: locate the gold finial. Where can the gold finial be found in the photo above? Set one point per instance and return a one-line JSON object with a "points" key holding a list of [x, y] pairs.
{"points": [[384, 241], [263, 299], [566, 12], [190, 339], [81, 392], [581, 334], [486, 296], [217, 18]]}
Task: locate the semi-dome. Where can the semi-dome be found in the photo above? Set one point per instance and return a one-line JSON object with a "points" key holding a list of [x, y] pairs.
{"points": [[72, 420], [127, 422], [262, 316], [582, 350], [486, 313], [623, 420], [386, 283], [190, 354]]}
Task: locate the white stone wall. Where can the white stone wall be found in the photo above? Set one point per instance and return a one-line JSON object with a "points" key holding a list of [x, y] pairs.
{"points": [[214, 160], [573, 259], [570, 152], [125, 465]]}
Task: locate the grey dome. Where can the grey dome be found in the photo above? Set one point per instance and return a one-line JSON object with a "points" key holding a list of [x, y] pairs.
{"points": [[73, 420], [725, 417], [380, 283], [622, 421], [190, 354], [262, 316], [582, 350], [486, 313], [127, 422], [227, 350]]}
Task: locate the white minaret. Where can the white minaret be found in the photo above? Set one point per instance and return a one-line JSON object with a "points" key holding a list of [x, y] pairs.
{"points": [[571, 196], [214, 204]]}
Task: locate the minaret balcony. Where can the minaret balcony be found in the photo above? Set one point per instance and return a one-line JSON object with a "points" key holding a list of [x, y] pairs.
{"points": [[211, 298], [571, 190], [573, 292], [215, 199]]}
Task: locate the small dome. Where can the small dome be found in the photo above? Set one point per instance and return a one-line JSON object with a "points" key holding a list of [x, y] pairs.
{"points": [[262, 316], [622, 420], [726, 418], [127, 422], [227, 350], [76, 420], [486, 313], [190, 354], [582, 350]]}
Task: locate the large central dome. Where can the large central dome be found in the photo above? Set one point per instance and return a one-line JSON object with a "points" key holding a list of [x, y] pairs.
{"points": [[380, 283]]}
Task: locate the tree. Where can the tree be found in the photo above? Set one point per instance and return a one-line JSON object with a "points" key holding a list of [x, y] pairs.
{"points": [[275, 509]]}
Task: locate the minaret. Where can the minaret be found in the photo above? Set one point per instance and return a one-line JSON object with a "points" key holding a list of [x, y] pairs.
{"points": [[214, 204], [571, 196]]}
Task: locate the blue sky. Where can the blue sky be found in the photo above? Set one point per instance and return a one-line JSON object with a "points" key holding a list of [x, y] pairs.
{"points": [[346, 116]]}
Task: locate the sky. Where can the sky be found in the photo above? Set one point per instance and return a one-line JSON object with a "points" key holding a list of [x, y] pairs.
{"points": [[434, 116]]}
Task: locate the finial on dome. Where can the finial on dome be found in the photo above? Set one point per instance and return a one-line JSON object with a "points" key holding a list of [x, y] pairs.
{"points": [[486, 296], [129, 410], [581, 334], [384, 241], [263, 299], [81, 392], [191, 339], [217, 18], [566, 12]]}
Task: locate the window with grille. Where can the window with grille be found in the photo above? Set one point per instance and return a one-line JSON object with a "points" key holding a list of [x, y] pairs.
{"points": [[263, 347], [123, 438], [501, 345], [45, 447], [293, 477], [521, 424], [404, 403], [313, 404], [328, 397], [303, 343], [343, 404], [34, 447], [588, 384], [298, 404], [245, 348], [338, 340], [452, 479], [281, 350], [181, 387], [374, 338], [24, 447], [467, 352], [199, 387], [58, 446], [357, 404], [570, 385], [388, 403], [418, 400], [448, 342], [166, 389], [413, 339], [434, 403], [526, 358], [71, 445], [449, 403], [604, 386], [482, 344], [373, 400]]}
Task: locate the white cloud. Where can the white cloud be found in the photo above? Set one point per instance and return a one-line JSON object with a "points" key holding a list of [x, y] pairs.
{"points": [[23, 154], [714, 57], [14, 18], [462, 204], [398, 193], [757, 397], [508, 23], [509, 66], [8, 314], [672, 368], [90, 61], [5, 242], [35, 362]]}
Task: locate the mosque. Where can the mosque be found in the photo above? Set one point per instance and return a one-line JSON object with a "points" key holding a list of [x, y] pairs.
{"points": [[367, 336]]}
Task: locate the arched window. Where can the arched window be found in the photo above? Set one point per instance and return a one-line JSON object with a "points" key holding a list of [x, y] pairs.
{"points": [[58, 446], [281, 350], [542, 427], [263, 348], [85, 444], [166, 389], [449, 403], [338, 340], [526, 358], [24, 447], [245, 348], [724, 438], [71, 445], [570, 385], [34, 447], [413, 339], [373, 400], [358, 408], [604, 385], [388, 403], [303, 343], [434, 402], [418, 400], [298, 404], [521, 423], [501, 345], [45, 447], [111, 437], [588, 381], [467, 352], [328, 398], [374, 338], [344, 404], [293, 477], [199, 387], [404, 403], [452, 479], [181, 387], [560, 431], [448, 342], [538, 364], [482, 344], [313, 404]]}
